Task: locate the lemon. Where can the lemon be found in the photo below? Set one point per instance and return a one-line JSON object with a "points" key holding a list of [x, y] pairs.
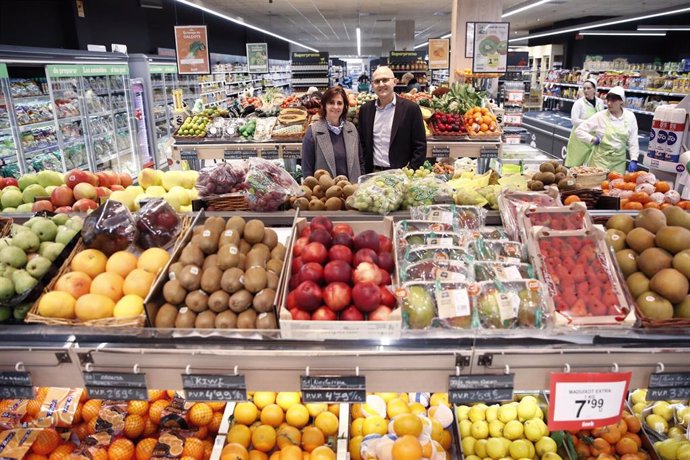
{"points": [[129, 306], [513, 430], [496, 448], [477, 413], [492, 413], [527, 409], [480, 429], [397, 407], [520, 449], [551, 456], [545, 445], [480, 448], [657, 423], [465, 428], [638, 396], [462, 412], [468, 445], [507, 412], [496, 429], [663, 409]]}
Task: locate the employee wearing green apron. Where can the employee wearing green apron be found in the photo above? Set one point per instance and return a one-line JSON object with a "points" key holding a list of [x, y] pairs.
{"points": [[613, 135], [583, 109]]}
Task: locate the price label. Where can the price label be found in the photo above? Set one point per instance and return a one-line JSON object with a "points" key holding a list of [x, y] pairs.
{"points": [[440, 152], [269, 154], [512, 119], [488, 152], [189, 155], [333, 389], [118, 394], [463, 389], [238, 154], [16, 385], [118, 386], [516, 96], [206, 387], [291, 154], [671, 385], [513, 140], [586, 400]]}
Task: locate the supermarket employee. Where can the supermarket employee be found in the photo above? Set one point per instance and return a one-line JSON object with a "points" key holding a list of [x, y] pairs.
{"points": [[391, 129], [612, 133], [583, 109]]}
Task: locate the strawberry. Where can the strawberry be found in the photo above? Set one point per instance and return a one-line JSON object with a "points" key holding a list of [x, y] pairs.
{"points": [[597, 308]]}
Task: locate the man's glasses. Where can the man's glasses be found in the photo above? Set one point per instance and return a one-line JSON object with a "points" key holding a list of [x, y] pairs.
{"points": [[381, 81]]}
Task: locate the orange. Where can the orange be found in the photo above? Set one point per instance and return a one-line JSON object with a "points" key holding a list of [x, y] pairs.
{"points": [[156, 409], [264, 438], [134, 426], [121, 449], [335, 409], [170, 393], [122, 263], [62, 452], [626, 445], [288, 436], [640, 197], [138, 407], [272, 415], [193, 447], [155, 395], [234, 451], [323, 453], [34, 407], [202, 432], [239, 434], [145, 448], [35, 457], [77, 414], [109, 285], [246, 413], [354, 447], [200, 414], [408, 424], [187, 457], [100, 454], [257, 455], [91, 426], [46, 442], [662, 186], [633, 205], [615, 175], [291, 453], [214, 424], [153, 260], [605, 185], [138, 282], [82, 431], [74, 283], [94, 306], [652, 204], [275, 455], [216, 406], [149, 427], [407, 448], [312, 438], [208, 448], [297, 415], [446, 439], [90, 261], [571, 199], [396, 407], [327, 422]]}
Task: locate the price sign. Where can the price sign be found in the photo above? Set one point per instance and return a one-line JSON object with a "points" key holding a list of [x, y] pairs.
{"points": [[16, 385], [440, 152], [512, 119], [291, 153], [488, 152], [205, 387], [118, 386], [188, 155], [463, 389], [333, 389], [270, 154], [516, 96], [671, 385], [238, 154], [586, 400]]}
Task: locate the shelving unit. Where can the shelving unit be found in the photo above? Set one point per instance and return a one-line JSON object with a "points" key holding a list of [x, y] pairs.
{"points": [[309, 69]]}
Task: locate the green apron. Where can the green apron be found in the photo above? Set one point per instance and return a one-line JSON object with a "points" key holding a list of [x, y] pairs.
{"points": [[611, 153], [578, 151]]}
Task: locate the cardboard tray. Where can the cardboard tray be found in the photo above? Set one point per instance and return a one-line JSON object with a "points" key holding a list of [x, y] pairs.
{"points": [[342, 330], [510, 203], [526, 224]]}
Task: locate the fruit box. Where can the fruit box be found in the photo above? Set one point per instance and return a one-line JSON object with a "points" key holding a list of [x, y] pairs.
{"points": [[511, 202], [581, 277], [555, 218], [344, 330]]}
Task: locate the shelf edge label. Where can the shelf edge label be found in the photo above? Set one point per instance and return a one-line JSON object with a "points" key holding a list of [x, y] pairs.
{"points": [[214, 387], [333, 389], [463, 389], [16, 385]]}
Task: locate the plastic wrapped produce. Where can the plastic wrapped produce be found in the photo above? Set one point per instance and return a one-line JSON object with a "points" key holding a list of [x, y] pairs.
{"points": [[426, 191], [222, 178], [498, 250], [381, 193], [513, 304], [432, 270], [461, 217], [501, 271], [109, 228], [269, 185], [158, 224]]}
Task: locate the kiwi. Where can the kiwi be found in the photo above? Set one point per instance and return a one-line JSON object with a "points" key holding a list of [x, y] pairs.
{"points": [[560, 169], [232, 280], [320, 172], [174, 270], [548, 178], [245, 247], [197, 301], [627, 261], [263, 249], [266, 320], [215, 223], [192, 255], [341, 178], [274, 265], [307, 191], [272, 280], [205, 320], [208, 242], [535, 185], [242, 264], [317, 193], [342, 184], [546, 167], [254, 231], [255, 279], [256, 259], [185, 318], [559, 177], [639, 239], [226, 320], [326, 182], [301, 203], [247, 319], [166, 316], [334, 191], [218, 301], [190, 277], [279, 252], [653, 260], [349, 190], [229, 236], [236, 223], [173, 292], [567, 183], [316, 205], [310, 181], [270, 238], [196, 239], [264, 300], [197, 230], [240, 301], [210, 279], [228, 256], [210, 261], [334, 204]]}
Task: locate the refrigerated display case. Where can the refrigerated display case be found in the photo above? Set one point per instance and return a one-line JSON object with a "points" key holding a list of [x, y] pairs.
{"points": [[8, 146]]}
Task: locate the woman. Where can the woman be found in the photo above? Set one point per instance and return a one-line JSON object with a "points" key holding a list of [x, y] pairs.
{"points": [[411, 82], [583, 109], [612, 135], [332, 143]]}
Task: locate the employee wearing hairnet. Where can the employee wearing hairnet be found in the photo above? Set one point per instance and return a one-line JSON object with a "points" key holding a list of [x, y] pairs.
{"points": [[583, 109], [612, 133]]}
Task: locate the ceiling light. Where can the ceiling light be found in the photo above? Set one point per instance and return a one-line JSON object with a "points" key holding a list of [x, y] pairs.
{"points": [[242, 23], [523, 7], [667, 28], [447, 35], [359, 42], [420, 45], [604, 23], [623, 33]]}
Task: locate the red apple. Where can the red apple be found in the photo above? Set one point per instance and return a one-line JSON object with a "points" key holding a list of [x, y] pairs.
{"points": [[386, 261], [125, 180], [306, 231], [91, 178], [385, 244], [337, 270], [342, 228], [3, 184], [308, 295], [320, 235], [385, 277], [291, 301], [84, 205], [42, 205], [103, 192], [63, 209], [367, 239], [343, 239], [311, 271], [84, 190], [76, 176], [366, 271], [351, 314], [300, 315], [366, 296], [322, 222], [116, 187], [387, 297], [113, 178], [337, 296], [11, 181], [296, 264], [340, 252], [314, 252], [103, 179], [294, 281], [324, 314], [62, 196], [299, 246], [380, 314], [365, 255]]}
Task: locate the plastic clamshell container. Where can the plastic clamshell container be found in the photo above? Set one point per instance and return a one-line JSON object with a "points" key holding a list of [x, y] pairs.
{"points": [[555, 218], [498, 251], [461, 217], [487, 270], [512, 304], [511, 202], [449, 299]]}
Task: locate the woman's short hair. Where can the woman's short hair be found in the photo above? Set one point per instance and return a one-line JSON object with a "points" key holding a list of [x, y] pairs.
{"points": [[329, 95]]}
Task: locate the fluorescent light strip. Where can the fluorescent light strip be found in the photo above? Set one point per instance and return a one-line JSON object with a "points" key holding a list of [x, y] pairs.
{"points": [[623, 33], [524, 8], [602, 24], [242, 23], [424, 44], [664, 28], [359, 42]]}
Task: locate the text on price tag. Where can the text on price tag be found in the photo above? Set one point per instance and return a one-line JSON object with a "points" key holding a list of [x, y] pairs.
{"points": [[586, 400]]}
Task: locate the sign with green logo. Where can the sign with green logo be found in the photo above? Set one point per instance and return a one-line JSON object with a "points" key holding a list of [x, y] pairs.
{"points": [[3, 71], [104, 69], [58, 70], [163, 68], [118, 69]]}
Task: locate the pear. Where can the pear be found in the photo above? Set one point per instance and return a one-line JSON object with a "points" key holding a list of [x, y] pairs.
{"points": [[46, 230], [26, 207], [14, 256], [50, 250], [23, 281], [17, 229], [75, 223], [26, 241], [30, 223], [65, 234], [60, 219], [6, 289], [38, 266], [31, 192]]}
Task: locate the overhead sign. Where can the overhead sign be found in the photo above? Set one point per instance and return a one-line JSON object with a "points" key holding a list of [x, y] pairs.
{"points": [[59, 70], [257, 57], [438, 53], [320, 58], [490, 47], [191, 46]]}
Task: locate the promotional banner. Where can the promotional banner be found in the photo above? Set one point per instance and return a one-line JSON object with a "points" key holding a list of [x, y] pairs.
{"points": [[257, 57], [490, 47], [438, 53], [191, 45]]}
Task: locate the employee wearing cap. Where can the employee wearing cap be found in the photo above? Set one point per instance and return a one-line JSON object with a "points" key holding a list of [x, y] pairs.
{"points": [[583, 109], [612, 133]]}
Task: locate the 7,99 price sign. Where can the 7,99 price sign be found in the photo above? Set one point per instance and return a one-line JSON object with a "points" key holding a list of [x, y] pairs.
{"points": [[586, 400]]}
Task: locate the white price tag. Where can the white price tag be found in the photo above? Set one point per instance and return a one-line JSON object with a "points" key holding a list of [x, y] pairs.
{"points": [[444, 217], [508, 305], [453, 303], [507, 273], [441, 241]]}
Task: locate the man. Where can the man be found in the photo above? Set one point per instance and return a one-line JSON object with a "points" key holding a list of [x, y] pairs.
{"points": [[391, 129]]}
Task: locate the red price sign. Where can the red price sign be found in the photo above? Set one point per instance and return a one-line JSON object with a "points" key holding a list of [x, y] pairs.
{"points": [[586, 400]]}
